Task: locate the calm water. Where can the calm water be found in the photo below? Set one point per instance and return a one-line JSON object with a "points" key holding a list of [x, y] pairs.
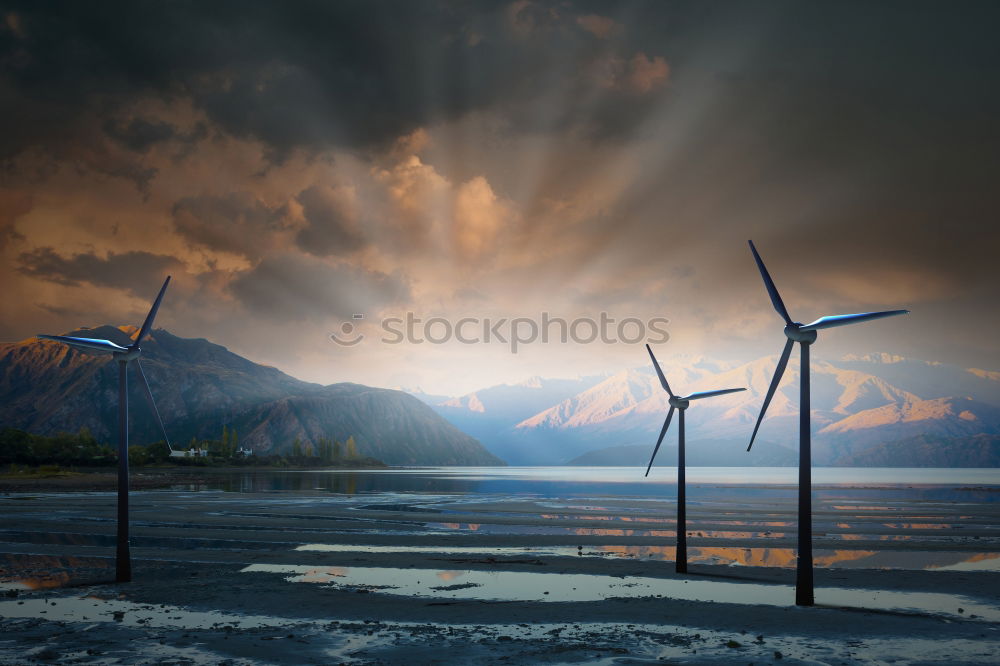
{"points": [[974, 485]]}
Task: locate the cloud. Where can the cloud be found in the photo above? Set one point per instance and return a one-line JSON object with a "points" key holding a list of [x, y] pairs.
{"points": [[131, 271], [139, 134], [599, 26], [640, 74], [237, 223], [332, 217], [311, 77], [13, 205], [479, 216], [326, 157], [418, 198], [295, 287]]}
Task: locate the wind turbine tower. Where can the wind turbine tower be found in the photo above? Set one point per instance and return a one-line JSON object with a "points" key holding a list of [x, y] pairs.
{"points": [[124, 356], [805, 335], [680, 403]]}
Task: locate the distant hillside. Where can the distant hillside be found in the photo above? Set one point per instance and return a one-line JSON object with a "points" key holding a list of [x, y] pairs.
{"points": [[46, 387], [490, 413]]}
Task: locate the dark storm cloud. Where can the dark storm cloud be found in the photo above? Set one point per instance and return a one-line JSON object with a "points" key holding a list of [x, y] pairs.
{"points": [[332, 228], [295, 288], [303, 74], [865, 133], [13, 205], [132, 271], [236, 222], [139, 134]]}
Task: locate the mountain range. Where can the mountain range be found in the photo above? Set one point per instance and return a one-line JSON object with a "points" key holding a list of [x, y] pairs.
{"points": [[47, 387], [874, 410], [878, 410]]}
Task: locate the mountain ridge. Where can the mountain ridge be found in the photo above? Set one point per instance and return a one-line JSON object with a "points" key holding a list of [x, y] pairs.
{"points": [[200, 386], [859, 401]]}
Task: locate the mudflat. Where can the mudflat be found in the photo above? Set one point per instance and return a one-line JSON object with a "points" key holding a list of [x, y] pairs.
{"points": [[392, 578]]}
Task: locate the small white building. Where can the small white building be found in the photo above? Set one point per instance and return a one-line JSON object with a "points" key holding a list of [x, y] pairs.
{"points": [[189, 453]]}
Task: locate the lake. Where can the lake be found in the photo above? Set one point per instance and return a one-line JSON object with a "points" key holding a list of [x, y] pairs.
{"points": [[971, 484]]}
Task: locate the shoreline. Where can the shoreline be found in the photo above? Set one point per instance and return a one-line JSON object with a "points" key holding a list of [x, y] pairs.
{"points": [[102, 479], [144, 478]]}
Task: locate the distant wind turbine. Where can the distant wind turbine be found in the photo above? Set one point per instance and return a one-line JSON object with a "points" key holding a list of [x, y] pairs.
{"points": [[124, 356], [680, 404], [805, 335]]}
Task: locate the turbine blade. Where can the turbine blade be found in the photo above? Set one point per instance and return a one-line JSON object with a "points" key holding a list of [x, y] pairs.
{"points": [[152, 403], [772, 291], [148, 324], [86, 344], [710, 394], [663, 431], [778, 372], [659, 373], [845, 319]]}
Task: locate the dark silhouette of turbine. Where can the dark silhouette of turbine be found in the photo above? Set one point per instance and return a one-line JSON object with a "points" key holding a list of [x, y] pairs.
{"points": [[805, 335], [680, 404], [124, 356]]}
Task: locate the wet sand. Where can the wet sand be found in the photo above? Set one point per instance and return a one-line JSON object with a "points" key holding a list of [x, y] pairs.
{"points": [[403, 578]]}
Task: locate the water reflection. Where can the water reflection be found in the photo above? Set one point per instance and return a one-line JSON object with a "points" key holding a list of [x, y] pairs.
{"points": [[34, 572], [754, 557], [970, 485]]}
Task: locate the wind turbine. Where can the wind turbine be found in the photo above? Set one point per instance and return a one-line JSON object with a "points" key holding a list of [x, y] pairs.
{"points": [[124, 356], [680, 404], [805, 335]]}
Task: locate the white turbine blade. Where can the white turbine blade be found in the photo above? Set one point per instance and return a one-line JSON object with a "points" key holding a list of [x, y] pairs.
{"points": [[709, 394], [148, 324], [775, 380], [152, 403], [772, 291], [86, 344], [663, 431], [659, 373], [845, 319]]}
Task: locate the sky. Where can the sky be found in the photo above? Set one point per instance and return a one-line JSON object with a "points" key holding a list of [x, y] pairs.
{"points": [[295, 165]]}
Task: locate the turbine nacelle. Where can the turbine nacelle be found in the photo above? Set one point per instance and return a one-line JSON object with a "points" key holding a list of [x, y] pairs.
{"points": [[795, 333], [131, 354], [678, 402]]}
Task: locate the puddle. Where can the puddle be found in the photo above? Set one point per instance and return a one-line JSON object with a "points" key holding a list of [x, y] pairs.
{"points": [[530, 586], [977, 562], [550, 551], [94, 609], [520, 529]]}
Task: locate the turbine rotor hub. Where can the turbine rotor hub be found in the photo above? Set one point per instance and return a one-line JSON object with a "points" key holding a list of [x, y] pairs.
{"points": [[793, 332], [130, 355], [679, 403]]}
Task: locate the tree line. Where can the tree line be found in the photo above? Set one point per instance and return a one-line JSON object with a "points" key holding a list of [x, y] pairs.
{"points": [[82, 449]]}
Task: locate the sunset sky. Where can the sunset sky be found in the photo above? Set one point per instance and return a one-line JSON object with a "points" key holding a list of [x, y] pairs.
{"points": [[295, 164]]}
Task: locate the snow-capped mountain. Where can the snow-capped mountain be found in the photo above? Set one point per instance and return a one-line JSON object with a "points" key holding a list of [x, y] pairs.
{"points": [[493, 411], [858, 402]]}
